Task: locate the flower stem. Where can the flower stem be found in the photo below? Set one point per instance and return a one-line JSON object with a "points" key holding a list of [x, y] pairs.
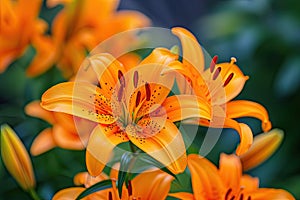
{"points": [[34, 195]]}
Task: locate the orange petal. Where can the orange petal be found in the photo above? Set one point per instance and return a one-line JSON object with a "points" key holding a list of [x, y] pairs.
{"points": [[69, 194], [230, 171], [264, 145], [79, 99], [43, 142], [157, 187], [182, 195], [34, 109], [246, 137], [243, 108], [267, 193], [181, 107], [206, 181], [44, 58], [160, 139], [16, 159], [106, 137], [66, 139], [160, 56], [251, 183], [192, 51]]}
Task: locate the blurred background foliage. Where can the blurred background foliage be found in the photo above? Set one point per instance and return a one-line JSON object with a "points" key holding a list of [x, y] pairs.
{"points": [[264, 36]]}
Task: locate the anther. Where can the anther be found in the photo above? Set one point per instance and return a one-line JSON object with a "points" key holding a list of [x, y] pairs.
{"points": [[213, 63], [241, 196], [110, 196], [227, 193], [135, 79], [129, 188], [148, 91], [120, 94], [228, 79], [249, 198], [217, 72], [138, 98], [121, 78], [232, 60]]}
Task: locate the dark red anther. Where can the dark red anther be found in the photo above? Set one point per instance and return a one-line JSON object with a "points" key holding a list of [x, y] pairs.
{"points": [[135, 79], [227, 193], [213, 63], [148, 91], [121, 78], [129, 188], [217, 72], [249, 198], [138, 98], [228, 79], [232, 198], [110, 196], [242, 197]]}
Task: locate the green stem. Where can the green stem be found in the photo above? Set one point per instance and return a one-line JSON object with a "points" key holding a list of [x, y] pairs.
{"points": [[33, 194]]}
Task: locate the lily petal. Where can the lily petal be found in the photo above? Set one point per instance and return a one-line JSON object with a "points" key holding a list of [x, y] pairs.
{"points": [[249, 182], [231, 171], [182, 195], [79, 99], [43, 142], [34, 109], [162, 140], [192, 51], [206, 181], [100, 146], [243, 108], [69, 194], [266, 193], [264, 145], [159, 184], [184, 107], [246, 136]]}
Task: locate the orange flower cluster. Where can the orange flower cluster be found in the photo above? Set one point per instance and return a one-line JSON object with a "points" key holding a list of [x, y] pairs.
{"points": [[128, 101]]}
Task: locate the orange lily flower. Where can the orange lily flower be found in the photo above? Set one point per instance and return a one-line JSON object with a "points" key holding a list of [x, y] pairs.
{"points": [[16, 159], [80, 26], [63, 133], [20, 27], [227, 182], [127, 106], [218, 84], [157, 187]]}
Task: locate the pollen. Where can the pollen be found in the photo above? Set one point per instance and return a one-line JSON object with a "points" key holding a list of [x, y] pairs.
{"points": [[121, 78], [229, 78], [216, 74], [148, 91]]}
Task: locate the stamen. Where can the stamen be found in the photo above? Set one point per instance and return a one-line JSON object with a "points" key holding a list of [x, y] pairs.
{"points": [[138, 98], [148, 91], [249, 198], [227, 193], [120, 93], [228, 79], [217, 72], [232, 60], [232, 198], [121, 78], [135, 79], [242, 196], [213, 63], [110, 196], [129, 188]]}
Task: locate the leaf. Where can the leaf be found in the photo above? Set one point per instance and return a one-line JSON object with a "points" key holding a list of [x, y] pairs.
{"points": [[126, 164], [102, 185]]}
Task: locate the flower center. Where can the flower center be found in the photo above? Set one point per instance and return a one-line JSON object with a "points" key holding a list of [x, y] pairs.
{"points": [[239, 196]]}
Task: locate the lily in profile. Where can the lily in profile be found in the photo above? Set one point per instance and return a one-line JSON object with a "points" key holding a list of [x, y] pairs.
{"points": [[218, 85], [128, 105], [80, 26], [157, 187], [20, 26], [16, 159], [63, 132], [228, 181]]}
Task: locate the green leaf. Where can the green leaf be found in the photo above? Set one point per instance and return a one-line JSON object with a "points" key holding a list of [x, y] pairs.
{"points": [[102, 185], [126, 164]]}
